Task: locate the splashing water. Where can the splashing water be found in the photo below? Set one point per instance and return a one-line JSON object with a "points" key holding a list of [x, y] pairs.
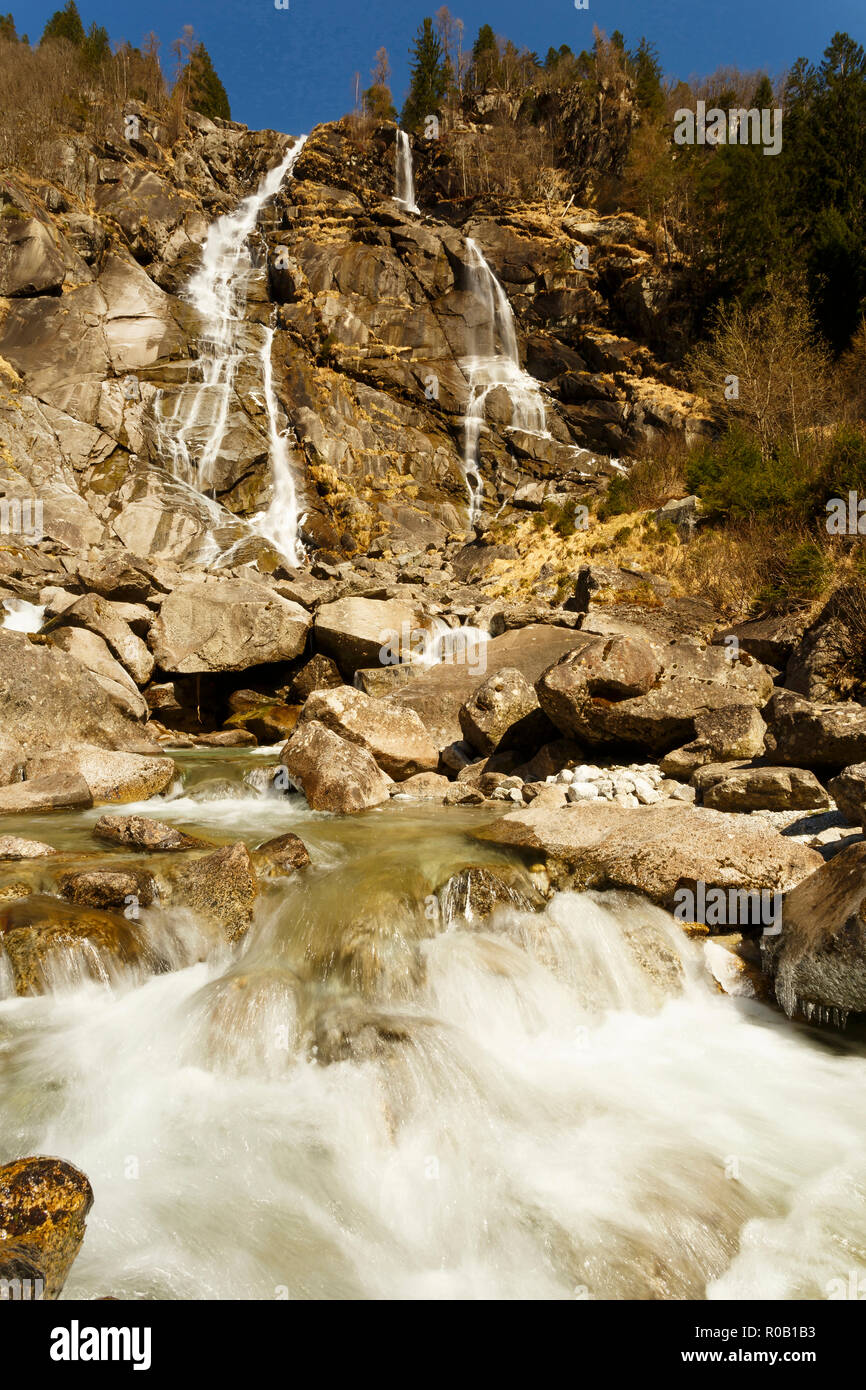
{"points": [[366, 1102], [495, 361], [193, 436], [404, 181]]}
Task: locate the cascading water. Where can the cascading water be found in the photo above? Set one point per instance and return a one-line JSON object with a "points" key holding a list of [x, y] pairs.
{"points": [[404, 181], [494, 362], [193, 435], [384, 1094]]}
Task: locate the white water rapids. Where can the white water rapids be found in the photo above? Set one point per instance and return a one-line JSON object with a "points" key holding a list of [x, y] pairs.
{"points": [[493, 362], [553, 1105], [193, 435]]}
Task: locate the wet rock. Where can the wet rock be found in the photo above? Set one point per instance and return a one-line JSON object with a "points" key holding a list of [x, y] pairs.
{"points": [[818, 962], [333, 774], [62, 791], [226, 625], [803, 733], [281, 856], [44, 1205], [724, 788], [848, 790], [271, 723], [504, 713], [15, 847], [226, 738], [655, 849], [221, 888], [48, 941], [475, 893], [423, 786], [105, 888], [110, 777], [396, 738], [140, 832], [353, 1032]]}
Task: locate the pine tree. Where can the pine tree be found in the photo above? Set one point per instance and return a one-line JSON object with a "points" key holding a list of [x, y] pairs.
{"points": [[96, 48], [65, 24], [429, 77], [206, 94], [485, 58], [7, 28], [645, 65]]}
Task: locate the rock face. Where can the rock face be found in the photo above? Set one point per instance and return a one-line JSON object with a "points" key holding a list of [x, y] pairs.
{"points": [[226, 625], [819, 960], [759, 788], [656, 849], [504, 713], [619, 690], [333, 774], [396, 738], [44, 1205], [803, 733], [63, 791]]}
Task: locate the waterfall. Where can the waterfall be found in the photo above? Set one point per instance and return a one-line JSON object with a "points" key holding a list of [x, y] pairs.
{"points": [[193, 435], [404, 180], [494, 361]]}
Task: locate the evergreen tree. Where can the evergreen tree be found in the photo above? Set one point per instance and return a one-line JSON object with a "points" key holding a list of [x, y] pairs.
{"points": [[429, 77], [65, 24], [7, 28], [206, 94], [485, 58], [96, 48], [649, 93]]}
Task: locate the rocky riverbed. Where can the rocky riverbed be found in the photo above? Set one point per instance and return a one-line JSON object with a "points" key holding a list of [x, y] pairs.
{"points": [[449, 877]]}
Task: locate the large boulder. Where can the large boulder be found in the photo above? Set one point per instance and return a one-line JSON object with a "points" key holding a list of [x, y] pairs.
{"points": [[94, 653], [819, 959], [438, 694], [721, 735], [655, 849], [504, 713], [333, 774], [60, 790], [101, 616], [110, 777], [648, 693], [848, 790], [44, 1205], [226, 625], [396, 738], [49, 701], [803, 733], [726, 788], [362, 632]]}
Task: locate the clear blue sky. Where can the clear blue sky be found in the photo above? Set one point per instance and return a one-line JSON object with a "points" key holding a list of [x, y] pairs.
{"points": [[292, 68]]}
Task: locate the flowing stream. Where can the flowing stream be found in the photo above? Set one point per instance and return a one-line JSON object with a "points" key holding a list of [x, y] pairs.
{"points": [[193, 435], [494, 362], [381, 1093]]}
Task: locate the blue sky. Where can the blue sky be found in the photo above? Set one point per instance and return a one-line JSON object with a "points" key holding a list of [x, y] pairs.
{"points": [[291, 68]]}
